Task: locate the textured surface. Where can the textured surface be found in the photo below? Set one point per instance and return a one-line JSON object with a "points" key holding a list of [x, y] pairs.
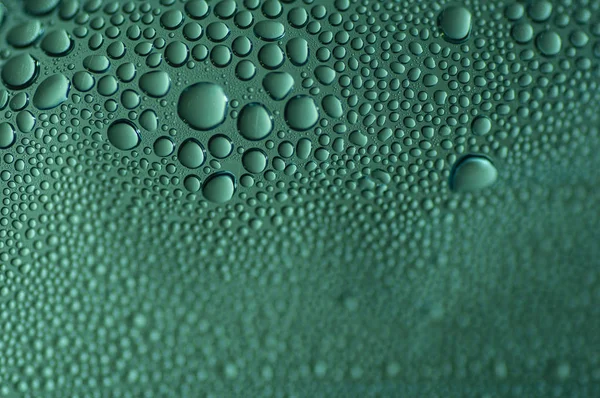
{"points": [[336, 198]]}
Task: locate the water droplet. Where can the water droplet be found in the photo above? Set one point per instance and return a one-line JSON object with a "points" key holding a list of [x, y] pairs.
{"points": [[191, 154], [155, 83], [123, 134], [164, 146], [278, 84], [269, 30], [57, 43], [203, 106], [7, 135], [254, 122], [472, 173], [52, 92], [254, 160], [455, 23], [481, 125], [220, 146], [24, 34], [219, 187], [20, 72], [548, 42], [301, 113]]}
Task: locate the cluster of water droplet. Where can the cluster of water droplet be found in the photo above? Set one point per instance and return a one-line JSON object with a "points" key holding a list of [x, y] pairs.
{"points": [[188, 124]]}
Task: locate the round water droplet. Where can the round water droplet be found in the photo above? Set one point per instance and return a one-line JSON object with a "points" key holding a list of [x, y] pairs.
{"points": [[7, 135], [455, 23], [522, 32], [220, 146], [25, 121], [192, 183], [155, 83], [164, 146], [20, 72], [52, 92], [203, 106], [548, 42], [481, 125], [333, 106], [123, 134], [271, 56], [191, 154], [301, 113], [254, 122], [472, 173], [177, 53], [83, 81], [219, 187], [254, 160]]}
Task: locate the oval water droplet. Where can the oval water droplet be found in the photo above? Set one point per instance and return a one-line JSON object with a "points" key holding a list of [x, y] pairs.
{"points": [[7, 135], [254, 122], [472, 173], [203, 106], [219, 187], [20, 72], [52, 92], [123, 134], [301, 113], [455, 23], [191, 154]]}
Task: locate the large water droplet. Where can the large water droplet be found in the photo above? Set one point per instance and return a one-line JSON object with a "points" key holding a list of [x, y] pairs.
{"points": [[191, 154], [254, 122], [155, 83], [472, 173], [123, 135], [455, 22], [52, 92], [20, 72], [203, 106], [7, 135], [301, 113], [219, 187]]}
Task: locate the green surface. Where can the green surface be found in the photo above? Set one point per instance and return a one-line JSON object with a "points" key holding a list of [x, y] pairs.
{"points": [[286, 198]]}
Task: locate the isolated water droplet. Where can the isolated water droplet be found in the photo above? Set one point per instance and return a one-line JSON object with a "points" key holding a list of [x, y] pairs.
{"points": [[219, 187], [7, 135], [52, 92], [123, 134], [20, 72], [155, 83], [472, 173], [191, 154], [455, 23], [254, 122], [203, 106], [96, 63], [301, 113]]}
